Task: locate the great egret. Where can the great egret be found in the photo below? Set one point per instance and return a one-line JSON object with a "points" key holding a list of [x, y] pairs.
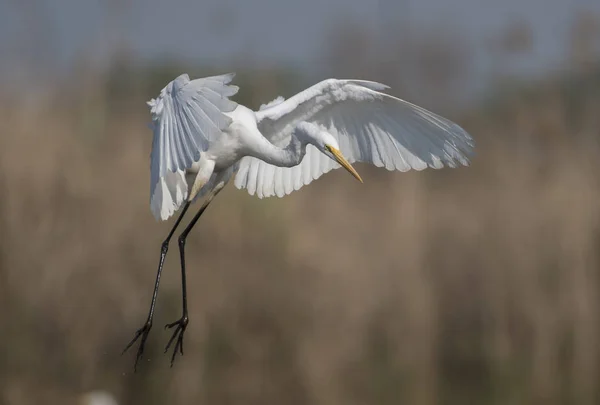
{"points": [[201, 138]]}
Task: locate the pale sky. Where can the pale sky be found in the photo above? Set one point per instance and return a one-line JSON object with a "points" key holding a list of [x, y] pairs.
{"points": [[266, 30]]}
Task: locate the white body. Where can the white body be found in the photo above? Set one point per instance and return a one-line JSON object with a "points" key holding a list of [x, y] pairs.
{"points": [[202, 135]]}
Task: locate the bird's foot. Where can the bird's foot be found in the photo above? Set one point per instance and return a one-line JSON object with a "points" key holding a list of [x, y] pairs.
{"points": [[179, 326], [143, 333]]}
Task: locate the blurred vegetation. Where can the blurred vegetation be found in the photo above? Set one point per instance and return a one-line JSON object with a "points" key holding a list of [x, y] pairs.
{"points": [[478, 285]]}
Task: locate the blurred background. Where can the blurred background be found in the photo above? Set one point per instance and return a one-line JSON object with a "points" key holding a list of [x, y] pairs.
{"points": [[478, 285]]}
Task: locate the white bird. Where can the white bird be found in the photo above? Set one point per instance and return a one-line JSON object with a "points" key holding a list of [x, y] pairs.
{"points": [[201, 138]]}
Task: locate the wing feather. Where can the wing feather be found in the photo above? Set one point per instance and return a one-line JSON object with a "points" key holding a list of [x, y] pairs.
{"points": [[369, 125], [187, 116]]}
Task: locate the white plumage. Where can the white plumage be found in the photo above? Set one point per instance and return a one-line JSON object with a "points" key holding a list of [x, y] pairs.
{"points": [[187, 116], [196, 125], [201, 138], [370, 126]]}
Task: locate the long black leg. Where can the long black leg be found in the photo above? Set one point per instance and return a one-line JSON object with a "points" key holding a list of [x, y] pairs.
{"points": [[145, 330], [181, 324]]}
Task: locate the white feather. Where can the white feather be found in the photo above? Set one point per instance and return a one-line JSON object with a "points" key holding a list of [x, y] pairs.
{"points": [[278, 100], [369, 126], [187, 117], [168, 194]]}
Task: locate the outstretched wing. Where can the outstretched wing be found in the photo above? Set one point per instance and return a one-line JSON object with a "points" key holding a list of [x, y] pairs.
{"points": [[186, 117], [369, 125]]}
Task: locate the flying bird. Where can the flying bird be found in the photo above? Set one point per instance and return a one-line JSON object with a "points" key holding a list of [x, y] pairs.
{"points": [[201, 139]]}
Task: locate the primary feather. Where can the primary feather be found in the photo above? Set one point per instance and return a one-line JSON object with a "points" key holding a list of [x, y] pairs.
{"points": [[186, 117], [370, 126]]}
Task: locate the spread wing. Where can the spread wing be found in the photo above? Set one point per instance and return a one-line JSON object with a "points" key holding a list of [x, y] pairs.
{"points": [[369, 125], [186, 117]]}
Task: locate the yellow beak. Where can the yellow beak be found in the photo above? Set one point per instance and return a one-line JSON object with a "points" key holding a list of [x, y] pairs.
{"points": [[342, 161]]}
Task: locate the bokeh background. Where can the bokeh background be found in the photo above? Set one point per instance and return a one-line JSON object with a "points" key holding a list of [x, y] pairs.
{"points": [[478, 285]]}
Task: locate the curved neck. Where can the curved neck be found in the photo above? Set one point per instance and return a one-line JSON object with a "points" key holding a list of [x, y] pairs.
{"points": [[289, 156]]}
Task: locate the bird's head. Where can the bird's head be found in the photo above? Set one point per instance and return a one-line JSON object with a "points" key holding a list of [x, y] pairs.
{"points": [[327, 145], [331, 148]]}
